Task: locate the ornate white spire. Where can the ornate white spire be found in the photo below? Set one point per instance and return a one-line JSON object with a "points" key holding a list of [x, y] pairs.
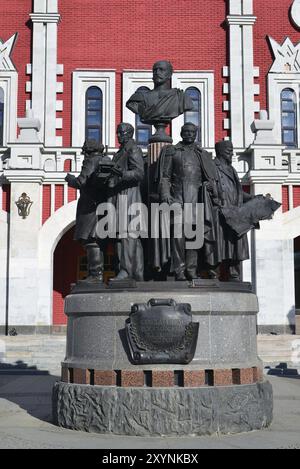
{"points": [[287, 56], [5, 52]]}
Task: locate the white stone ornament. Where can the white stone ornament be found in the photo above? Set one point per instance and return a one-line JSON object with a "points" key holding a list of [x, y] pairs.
{"points": [[287, 56], [295, 13], [6, 49]]}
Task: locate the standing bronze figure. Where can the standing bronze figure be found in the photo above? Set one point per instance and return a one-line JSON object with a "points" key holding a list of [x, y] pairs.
{"points": [[233, 249], [93, 191], [186, 172], [128, 175]]}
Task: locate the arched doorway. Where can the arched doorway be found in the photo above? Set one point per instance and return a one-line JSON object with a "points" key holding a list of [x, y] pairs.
{"points": [[66, 270], [69, 266]]}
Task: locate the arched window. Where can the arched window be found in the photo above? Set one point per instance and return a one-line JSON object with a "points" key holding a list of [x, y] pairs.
{"points": [[93, 114], [142, 131], [1, 116], [289, 117], [194, 116]]}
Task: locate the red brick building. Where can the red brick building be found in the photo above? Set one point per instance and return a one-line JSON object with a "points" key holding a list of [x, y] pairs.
{"points": [[70, 70]]}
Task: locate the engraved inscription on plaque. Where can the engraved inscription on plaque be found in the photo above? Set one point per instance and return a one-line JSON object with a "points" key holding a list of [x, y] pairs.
{"points": [[162, 331]]}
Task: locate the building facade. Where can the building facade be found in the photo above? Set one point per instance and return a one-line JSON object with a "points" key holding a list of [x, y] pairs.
{"points": [[67, 68]]}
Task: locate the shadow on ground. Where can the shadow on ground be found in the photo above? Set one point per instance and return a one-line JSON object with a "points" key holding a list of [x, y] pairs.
{"points": [[28, 387], [283, 371]]}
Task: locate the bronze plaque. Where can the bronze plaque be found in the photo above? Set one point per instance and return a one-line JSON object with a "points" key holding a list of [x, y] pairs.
{"points": [[162, 332]]}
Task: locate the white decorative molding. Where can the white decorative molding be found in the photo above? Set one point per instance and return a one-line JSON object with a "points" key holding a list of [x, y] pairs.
{"points": [[241, 20], [59, 87], [45, 18], [59, 123], [225, 88], [6, 49], [242, 71], [9, 84], [225, 72], [226, 106], [287, 56], [106, 81], [240, 7], [59, 105], [132, 80], [204, 82], [59, 69]]}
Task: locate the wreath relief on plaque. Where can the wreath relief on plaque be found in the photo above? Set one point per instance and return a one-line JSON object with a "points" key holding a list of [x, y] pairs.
{"points": [[161, 332]]}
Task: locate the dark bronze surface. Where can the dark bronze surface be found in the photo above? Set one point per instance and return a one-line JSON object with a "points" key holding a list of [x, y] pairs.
{"points": [[161, 331]]}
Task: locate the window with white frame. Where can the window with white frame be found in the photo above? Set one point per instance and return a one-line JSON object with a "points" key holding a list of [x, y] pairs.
{"points": [[142, 131], [194, 115], [284, 92], [93, 115], [289, 118], [200, 86], [133, 81]]}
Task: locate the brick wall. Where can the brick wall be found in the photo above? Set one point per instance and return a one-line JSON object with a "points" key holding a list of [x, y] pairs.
{"points": [[14, 18], [272, 20], [285, 199], [5, 197], [114, 34]]}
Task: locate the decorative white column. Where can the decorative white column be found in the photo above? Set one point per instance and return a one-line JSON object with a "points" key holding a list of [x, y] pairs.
{"points": [[4, 220], [273, 253], [23, 266], [242, 72], [45, 19]]}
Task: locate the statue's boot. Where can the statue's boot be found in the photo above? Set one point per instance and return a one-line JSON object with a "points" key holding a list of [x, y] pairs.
{"points": [[95, 262], [212, 274], [122, 275], [180, 276], [234, 273], [191, 264], [191, 274]]}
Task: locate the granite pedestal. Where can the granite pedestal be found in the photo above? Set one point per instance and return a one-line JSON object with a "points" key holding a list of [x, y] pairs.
{"points": [[221, 390]]}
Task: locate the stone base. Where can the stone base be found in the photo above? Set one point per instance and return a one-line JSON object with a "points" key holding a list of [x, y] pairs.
{"points": [[163, 411]]}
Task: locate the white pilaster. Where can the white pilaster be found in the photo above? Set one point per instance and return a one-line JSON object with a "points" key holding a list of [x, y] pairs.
{"points": [[4, 218], [23, 292], [273, 257], [45, 19], [242, 71]]}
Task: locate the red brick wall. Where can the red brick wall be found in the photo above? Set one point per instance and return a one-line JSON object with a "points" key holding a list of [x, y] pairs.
{"points": [[116, 34], [14, 18], [6, 198], [67, 166], [59, 196], [285, 199], [46, 212], [72, 194], [272, 20], [296, 196]]}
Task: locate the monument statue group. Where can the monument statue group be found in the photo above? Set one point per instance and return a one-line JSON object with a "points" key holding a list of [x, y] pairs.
{"points": [[186, 174], [163, 347]]}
